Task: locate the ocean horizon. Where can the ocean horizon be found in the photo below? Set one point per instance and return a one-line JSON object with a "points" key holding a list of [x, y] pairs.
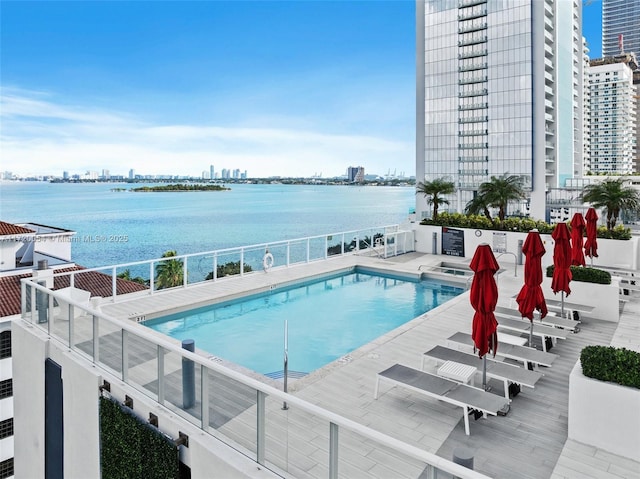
{"points": [[115, 227]]}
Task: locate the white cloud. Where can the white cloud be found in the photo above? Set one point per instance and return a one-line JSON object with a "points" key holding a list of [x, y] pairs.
{"points": [[41, 136]]}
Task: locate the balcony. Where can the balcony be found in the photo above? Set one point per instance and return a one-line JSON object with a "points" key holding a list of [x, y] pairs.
{"points": [[479, 92], [475, 27], [473, 41], [468, 81], [470, 3], [473, 172], [475, 66], [473, 159], [471, 146], [473, 133], [473, 13], [473, 119], [474, 106], [473, 54]]}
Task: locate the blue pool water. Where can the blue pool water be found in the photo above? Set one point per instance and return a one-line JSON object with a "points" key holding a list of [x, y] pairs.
{"points": [[327, 319]]}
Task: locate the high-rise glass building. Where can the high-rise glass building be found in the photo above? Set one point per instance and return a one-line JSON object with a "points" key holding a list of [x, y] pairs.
{"points": [[499, 90], [620, 17]]}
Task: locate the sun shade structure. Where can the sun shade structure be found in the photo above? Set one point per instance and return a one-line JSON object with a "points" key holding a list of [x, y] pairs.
{"points": [[484, 297], [562, 262], [531, 297], [591, 245], [577, 231]]}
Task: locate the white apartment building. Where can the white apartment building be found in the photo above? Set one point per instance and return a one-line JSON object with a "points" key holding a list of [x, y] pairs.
{"points": [[612, 118], [499, 90]]}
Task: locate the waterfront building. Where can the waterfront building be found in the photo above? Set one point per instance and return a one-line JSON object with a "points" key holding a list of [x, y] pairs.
{"points": [[132, 174], [355, 174], [499, 90], [620, 27], [612, 115], [212, 174]]}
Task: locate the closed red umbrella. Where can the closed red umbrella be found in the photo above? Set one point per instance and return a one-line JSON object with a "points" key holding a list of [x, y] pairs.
{"points": [[484, 297], [561, 261], [530, 296], [577, 231], [591, 245]]}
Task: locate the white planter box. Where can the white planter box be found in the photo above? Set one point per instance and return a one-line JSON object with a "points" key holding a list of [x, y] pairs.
{"points": [[604, 298], [604, 414]]}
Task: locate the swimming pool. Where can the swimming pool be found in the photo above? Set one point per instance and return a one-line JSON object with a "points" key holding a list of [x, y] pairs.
{"points": [[327, 319]]}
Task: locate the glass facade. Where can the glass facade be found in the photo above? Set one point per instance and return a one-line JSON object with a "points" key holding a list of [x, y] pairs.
{"points": [[486, 64], [620, 17]]}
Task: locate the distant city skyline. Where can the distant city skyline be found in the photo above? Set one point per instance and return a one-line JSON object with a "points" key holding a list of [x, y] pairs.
{"points": [[276, 88]]}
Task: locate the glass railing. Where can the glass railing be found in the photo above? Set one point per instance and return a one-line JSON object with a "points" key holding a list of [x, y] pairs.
{"points": [[303, 440], [150, 276]]}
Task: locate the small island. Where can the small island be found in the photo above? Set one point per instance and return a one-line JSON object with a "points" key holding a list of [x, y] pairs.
{"points": [[180, 187]]}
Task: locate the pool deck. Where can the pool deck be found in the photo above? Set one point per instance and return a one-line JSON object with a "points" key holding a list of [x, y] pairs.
{"points": [[529, 442]]}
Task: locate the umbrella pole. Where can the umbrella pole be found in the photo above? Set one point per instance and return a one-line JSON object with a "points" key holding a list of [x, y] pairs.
{"points": [[484, 372], [562, 304], [531, 334]]}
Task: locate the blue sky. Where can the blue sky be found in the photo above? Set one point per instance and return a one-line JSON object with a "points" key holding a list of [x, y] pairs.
{"points": [[272, 87]]}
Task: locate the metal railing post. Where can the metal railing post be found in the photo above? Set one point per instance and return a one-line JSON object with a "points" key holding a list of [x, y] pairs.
{"points": [[333, 451], [204, 396], [260, 427], [114, 284], [151, 278], [308, 246], [288, 253], [215, 266], [161, 382], [96, 340], [185, 272], [241, 261]]}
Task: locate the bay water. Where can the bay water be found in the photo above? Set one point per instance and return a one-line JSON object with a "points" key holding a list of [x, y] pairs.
{"points": [[115, 227]]}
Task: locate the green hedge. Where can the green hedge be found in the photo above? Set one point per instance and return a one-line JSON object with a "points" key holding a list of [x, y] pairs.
{"points": [[617, 365], [132, 449], [586, 275], [522, 225]]}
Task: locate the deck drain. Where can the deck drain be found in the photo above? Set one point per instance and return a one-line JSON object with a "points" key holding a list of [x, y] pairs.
{"points": [[373, 356], [345, 359], [215, 358]]}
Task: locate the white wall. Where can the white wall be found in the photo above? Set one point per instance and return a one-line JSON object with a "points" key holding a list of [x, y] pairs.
{"points": [[617, 253], [604, 414], [8, 255], [602, 297]]}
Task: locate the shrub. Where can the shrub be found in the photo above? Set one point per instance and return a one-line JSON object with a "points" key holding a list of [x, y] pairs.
{"points": [[522, 225], [229, 269], [617, 365], [585, 275]]}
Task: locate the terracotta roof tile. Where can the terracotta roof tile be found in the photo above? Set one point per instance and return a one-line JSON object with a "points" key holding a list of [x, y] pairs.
{"points": [[99, 284], [9, 229]]}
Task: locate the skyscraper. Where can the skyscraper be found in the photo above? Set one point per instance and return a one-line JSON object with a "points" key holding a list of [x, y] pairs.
{"points": [[620, 27], [612, 116], [499, 90]]}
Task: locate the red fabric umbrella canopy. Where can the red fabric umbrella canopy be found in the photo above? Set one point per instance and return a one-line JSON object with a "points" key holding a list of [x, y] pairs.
{"points": [[561, 259], [577, 231], [484, 297], [531, 297], [591, 245]]}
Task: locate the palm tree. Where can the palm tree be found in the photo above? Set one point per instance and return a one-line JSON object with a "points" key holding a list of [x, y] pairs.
{"points": [[612, 195], [434, 192], [478, 206], [500, 191], [126, 275], [169, 273]]}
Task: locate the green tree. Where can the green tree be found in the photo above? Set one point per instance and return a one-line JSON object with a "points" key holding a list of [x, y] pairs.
{"points": [[612, 195], [500, 191], [434, 192], [478, 206], [169, 273], [126, 275]]}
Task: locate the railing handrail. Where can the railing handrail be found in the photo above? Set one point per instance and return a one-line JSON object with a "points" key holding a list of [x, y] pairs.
{"points": [[334, 418], [232, 249]]}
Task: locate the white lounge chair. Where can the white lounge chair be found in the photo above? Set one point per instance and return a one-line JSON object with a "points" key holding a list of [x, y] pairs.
{"points": [[507, 373], [467, 397]]}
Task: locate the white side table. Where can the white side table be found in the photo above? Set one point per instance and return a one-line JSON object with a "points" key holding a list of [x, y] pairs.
{"points": [[458, 372]]}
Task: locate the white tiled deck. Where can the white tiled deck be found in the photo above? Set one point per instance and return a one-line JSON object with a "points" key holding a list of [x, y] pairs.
{"points": [[530, 442]]}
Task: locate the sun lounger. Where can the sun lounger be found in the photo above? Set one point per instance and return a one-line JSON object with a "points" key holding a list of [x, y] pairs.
{"points": [[523, 354], [539, 330], [550, 320], [467, 397], [504, 372]]}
